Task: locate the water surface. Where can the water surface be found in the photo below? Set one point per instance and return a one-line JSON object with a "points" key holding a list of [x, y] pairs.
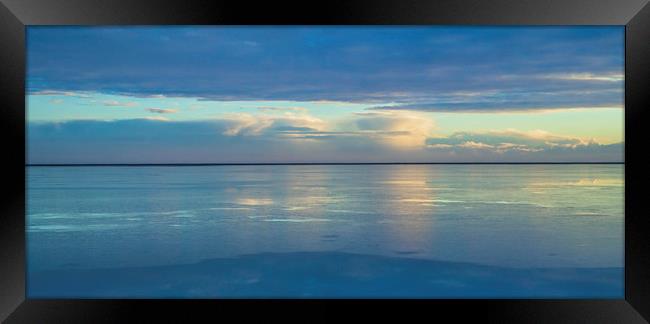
{"points": [[326, 231]]}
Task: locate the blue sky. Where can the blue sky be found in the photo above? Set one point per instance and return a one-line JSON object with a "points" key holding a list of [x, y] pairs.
{"points": [[324, 94]]}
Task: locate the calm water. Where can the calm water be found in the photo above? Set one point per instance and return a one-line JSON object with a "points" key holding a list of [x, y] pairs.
{"points": [[323, 231]]}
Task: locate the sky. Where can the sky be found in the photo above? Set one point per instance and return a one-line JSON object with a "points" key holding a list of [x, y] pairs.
{"points": [[227, 94]]}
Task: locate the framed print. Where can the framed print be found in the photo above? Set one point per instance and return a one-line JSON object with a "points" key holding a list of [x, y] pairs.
{"points": [[167, 159]]}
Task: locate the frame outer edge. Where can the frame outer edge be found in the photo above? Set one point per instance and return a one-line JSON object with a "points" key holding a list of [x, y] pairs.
{"points": [[12, 70], [12, 206], [474, 12], [637, 103]]}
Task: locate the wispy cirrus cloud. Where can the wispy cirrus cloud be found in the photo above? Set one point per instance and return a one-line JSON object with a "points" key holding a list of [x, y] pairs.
{"points": [[162, 110], [282, 109], [607, 77], [607, 92], [115, 103], [60, 93], [492, 107]]}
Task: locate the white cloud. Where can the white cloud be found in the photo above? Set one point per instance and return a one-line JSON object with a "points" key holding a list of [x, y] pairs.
{"points": [[156, 118], [605, 77], [248, 124], [542, 136], [115, 103], [397, 128], [516, 147], [283, 109], [475, 145], [508, 140], [437, 146], [61, 93], [162, 110]]}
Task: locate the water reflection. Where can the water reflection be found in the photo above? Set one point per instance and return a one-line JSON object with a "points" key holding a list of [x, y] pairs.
{"points": [[522, 216], [408, 209]]}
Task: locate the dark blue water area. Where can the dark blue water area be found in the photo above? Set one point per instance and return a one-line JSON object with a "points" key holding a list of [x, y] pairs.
{"points": [[328, 275], [326, 231]]}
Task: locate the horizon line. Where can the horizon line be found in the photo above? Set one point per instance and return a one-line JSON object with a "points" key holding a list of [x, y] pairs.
{"points": [[304, 163]]}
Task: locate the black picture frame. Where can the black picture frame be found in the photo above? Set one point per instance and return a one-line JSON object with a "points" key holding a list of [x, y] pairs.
{"points": [[16, 14]]}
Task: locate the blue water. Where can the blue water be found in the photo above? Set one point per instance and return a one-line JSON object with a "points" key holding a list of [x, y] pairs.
{"points": [[432, 231]]}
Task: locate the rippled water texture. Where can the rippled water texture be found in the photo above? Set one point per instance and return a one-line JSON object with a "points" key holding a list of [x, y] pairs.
{"points": [[326, 231]]}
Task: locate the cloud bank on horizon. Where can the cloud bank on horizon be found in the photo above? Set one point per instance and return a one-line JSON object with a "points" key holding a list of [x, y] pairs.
{"points": [[324, 94], [280, 140]]}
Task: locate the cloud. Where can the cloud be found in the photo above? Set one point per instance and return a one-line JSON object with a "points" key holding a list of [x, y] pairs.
{"points": [[115, 103], [472, 145], [440, 145], [515, 145], [609, 77], [416, 68], [542, 100], [282, 109], [158, 118], [500, 148], [475, 145], [509, 139], [252, 125], [162, 110], [399, 129], [244, 140], [60, 93], [56, 101], [489, 107]]}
